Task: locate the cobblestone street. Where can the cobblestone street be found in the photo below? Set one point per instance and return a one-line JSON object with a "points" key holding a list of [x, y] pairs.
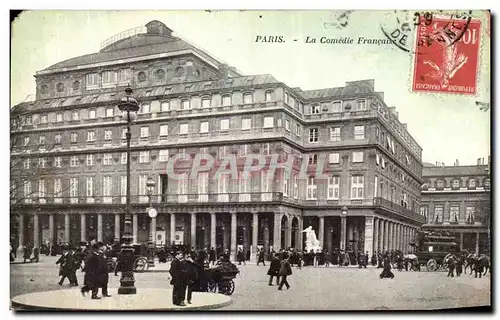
{"points": [[311, 288]]}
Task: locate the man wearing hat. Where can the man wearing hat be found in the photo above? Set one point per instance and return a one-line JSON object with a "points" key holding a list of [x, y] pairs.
{"points": [[178, 272], [96, 275]]}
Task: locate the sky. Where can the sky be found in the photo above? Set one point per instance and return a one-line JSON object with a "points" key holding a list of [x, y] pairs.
{"points": [[446, 126]]}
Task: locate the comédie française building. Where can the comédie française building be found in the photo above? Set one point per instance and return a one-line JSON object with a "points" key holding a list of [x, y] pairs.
{"points": [[68, 154]]}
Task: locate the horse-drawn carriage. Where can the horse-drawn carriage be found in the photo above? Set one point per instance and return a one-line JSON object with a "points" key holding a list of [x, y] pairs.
{"points": [[219, 278]]}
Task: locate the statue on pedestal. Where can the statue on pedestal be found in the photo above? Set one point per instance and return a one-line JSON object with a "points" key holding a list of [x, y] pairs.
{"points": [[312, 243]]}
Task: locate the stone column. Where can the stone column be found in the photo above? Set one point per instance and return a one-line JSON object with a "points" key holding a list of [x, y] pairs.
{"points": [[405, 240], [375, 234], [213, 229], [36, 231], [193, 230], [83, 227], [321, 232], [134, 227], [477, 243], [277, 231], [117, 226], [255, 235], [21, 232], [51, 229], [381, 231], [386, 235], [66, 227], [172, 229], [343, 232], [369, 235], [288, 235], [99, 227], [461, 241], [266, 239], [398, 236], [300, 237], [234, 228]]}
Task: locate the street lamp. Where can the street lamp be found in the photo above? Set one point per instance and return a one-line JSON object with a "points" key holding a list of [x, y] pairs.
{"points": [[150, 184], [343, 224], [129, 106]]}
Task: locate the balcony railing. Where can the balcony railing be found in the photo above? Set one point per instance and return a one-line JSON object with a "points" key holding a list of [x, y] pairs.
{"points": [[386, 204]]}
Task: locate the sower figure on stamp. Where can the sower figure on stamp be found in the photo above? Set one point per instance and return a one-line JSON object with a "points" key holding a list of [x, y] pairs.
{"points": [[274, 269], [285, 271]]}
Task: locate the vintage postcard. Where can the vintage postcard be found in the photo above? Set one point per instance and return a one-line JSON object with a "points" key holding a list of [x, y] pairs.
{"points": [[250, 160]]}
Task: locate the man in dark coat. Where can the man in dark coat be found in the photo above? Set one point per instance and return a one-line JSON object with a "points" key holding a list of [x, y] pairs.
{"points": [[27, 253], [451, 266], [64, 270], [96, 273], [191, 276], [380, 260], [460, 264], [274, 269], [241, 257], [178, 272], [260, 257], [374, 259], [285, 271], [387, 273], [212, 256]]}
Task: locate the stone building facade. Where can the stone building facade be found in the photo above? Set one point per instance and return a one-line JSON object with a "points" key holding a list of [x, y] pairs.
{"points": [[69, 159], [457, 199]]}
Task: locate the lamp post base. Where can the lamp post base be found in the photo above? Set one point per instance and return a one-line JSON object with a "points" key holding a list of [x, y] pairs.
{"points": [[127, 280]]}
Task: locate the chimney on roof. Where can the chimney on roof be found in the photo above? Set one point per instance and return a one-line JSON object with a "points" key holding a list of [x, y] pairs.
{"points": [[478, 161], [482, 161], [224, 70]]}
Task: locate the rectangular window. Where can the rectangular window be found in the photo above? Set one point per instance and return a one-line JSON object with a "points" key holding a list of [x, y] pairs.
{"points": [[223, 188], [204, 127], [454, 212], [26, 141], [107, 159], [313, 135], [73, 190], [75, 115], [163, 155], [145, 108], [26, 163], [73, 161], [110, 112], [438, 214], [185, 104], [287, 98], [286, 183], [375, 188], [92, 114], [42, 140], [92, 80], [455, 184], [226, 100], [90, 190], [57, 139], [57, 190], [266, 149], [377, 159], [164, 130], [143, 156], [266, 183], [333, 188], [269, 95], [27, 191], [43, 119], [125, 75], [315, 109], [90, 160], [243, 150], [142, 188], [472, 182], [74, 137], [123, 189], [42, 162], [297, 130], [247, 98], [359, 132], [311, 188], [144, 132], [108, 134], [470, 214], [361, 105], [124, 158], [41, 190], [109, 77], [106, 189], [224, 124], [337, 106], [165, 106], [357, 156], [203, 186], [313, 159], [91, 136], [335, 134], [183, 128], [357, 187], [295, 186], [334, 158], [246, 124], [287, 125], [268, 122], [57, 162]]}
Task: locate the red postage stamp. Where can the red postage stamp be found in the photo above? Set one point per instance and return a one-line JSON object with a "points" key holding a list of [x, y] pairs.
{"points": [[443, 64]]}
